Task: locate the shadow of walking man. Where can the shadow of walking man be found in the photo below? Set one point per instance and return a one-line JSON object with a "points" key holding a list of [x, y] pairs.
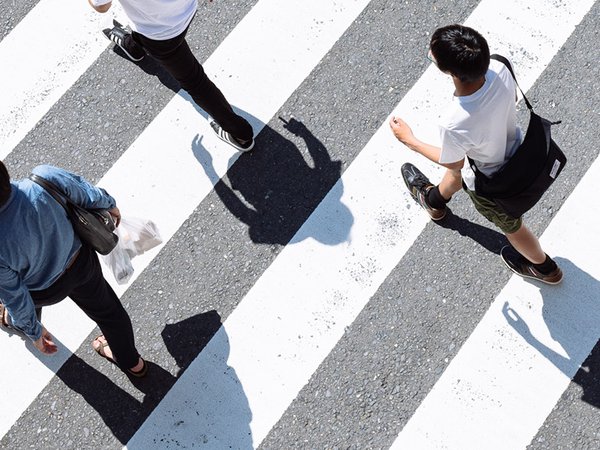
{"points": [[274, 189]]}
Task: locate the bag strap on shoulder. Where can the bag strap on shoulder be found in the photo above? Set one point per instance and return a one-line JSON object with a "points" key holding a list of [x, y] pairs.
{"points": [[52, 189], [505, 61]]}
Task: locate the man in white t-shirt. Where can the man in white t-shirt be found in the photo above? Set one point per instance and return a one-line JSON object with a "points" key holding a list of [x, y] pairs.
{"points": [[159, 28], [480, 123]]}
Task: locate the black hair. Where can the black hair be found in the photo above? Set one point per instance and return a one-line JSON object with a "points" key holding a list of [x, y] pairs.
{"points": [[460, 51], [4, 184]]}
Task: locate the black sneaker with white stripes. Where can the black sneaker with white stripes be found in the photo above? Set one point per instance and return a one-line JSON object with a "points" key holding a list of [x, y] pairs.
{"points": [[120, 36], [242, 146]]}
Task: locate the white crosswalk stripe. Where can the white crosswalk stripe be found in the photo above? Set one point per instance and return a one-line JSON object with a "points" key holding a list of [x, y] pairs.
{"points": [[71, 45], [143, 178], [526, 342], [299, 308]]}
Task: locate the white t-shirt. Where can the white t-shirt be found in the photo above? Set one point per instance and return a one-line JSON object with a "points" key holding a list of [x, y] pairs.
{"points": [[482, 125], [157, 19]]}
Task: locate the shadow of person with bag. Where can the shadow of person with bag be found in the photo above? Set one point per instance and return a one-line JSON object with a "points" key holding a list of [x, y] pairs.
{"points": [[121, 405], [573, 321], [215, 412], [274, 190], [124, 404]]}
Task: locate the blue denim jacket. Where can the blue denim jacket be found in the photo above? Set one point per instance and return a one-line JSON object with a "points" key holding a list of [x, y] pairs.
{"points": [[37, 240]]}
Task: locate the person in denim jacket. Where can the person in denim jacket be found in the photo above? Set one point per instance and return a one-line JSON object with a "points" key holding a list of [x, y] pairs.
{"points": [[42, 261]]}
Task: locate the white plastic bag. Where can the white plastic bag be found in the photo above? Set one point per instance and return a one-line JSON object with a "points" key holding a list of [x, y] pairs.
{"points": [[135, 237], [119, 262]]}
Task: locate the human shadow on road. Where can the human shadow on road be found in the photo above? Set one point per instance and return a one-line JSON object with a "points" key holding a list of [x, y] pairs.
{"points": [[210, 406], [489, 239], [123, 413], [571, 312], [274, 189], [120, 411]]}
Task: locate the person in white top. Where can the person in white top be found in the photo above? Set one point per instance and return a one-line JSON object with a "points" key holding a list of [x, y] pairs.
{"points": [[480, 123], [159, 29]]}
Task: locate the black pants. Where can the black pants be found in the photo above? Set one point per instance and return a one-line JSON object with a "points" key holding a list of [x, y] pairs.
{"points": [[177, 58], [84, 283]]}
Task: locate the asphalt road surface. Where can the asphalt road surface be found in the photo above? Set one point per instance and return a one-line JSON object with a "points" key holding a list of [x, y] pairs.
{"points": [[300, 298]]}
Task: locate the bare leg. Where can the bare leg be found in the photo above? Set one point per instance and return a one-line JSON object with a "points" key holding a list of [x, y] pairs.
{"points": [[451, 183], [525, 242]]}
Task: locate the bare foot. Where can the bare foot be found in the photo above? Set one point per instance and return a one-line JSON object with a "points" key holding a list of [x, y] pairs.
{"points": [[101, 346]]}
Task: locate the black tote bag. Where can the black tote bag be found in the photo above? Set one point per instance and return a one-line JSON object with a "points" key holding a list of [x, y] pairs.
{"points": [[522, 181], [93, 226]]}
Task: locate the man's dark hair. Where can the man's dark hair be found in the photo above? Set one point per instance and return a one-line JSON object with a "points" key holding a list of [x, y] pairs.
{"points": [[4, 184], [460, 51]]}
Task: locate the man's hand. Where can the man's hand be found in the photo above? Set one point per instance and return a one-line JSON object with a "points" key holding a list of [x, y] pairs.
{"points": [[401, 130], [44, 344], [293, 126], [405, 135], [116, 215]]}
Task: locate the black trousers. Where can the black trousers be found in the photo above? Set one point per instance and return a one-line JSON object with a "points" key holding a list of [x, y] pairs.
{"points": [[177, 58], [84, 283]]}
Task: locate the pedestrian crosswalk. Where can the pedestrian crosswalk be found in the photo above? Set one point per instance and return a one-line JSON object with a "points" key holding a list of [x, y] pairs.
{"points": [[46, 73], [510, 373], [275, 263]]}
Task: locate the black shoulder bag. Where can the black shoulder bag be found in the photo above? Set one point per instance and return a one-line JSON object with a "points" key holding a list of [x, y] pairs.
{"points": [[522, 181], [93, 226]]}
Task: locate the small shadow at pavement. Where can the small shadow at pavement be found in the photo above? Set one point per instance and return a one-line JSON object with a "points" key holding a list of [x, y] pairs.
{"points": [[571, 311]]}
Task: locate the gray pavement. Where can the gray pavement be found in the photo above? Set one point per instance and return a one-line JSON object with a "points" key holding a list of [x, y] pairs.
{"points": [[390, 357]]}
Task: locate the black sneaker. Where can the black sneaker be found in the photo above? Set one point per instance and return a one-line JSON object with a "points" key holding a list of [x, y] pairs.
{"points": [[242, 146], [523, 267], [120, 36], [418, 185]]}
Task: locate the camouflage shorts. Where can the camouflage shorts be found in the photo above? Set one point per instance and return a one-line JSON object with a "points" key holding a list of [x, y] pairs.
{"points": [[493, 213]]}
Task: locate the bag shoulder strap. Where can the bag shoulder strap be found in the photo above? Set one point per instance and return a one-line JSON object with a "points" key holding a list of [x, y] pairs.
{"points": [[473, 166], [505, 61], [52, 189]]}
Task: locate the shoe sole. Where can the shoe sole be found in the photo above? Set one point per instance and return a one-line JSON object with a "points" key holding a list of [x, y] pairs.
{"points": [[406, 181], [413, 195], [107, 34], [437, 219], [531, 277]]}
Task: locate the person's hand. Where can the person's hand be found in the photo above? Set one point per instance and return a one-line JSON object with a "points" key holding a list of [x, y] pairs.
{"points": [[45, 344], [293, 126], [116, 215], [515, 320], [401, 129]]}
